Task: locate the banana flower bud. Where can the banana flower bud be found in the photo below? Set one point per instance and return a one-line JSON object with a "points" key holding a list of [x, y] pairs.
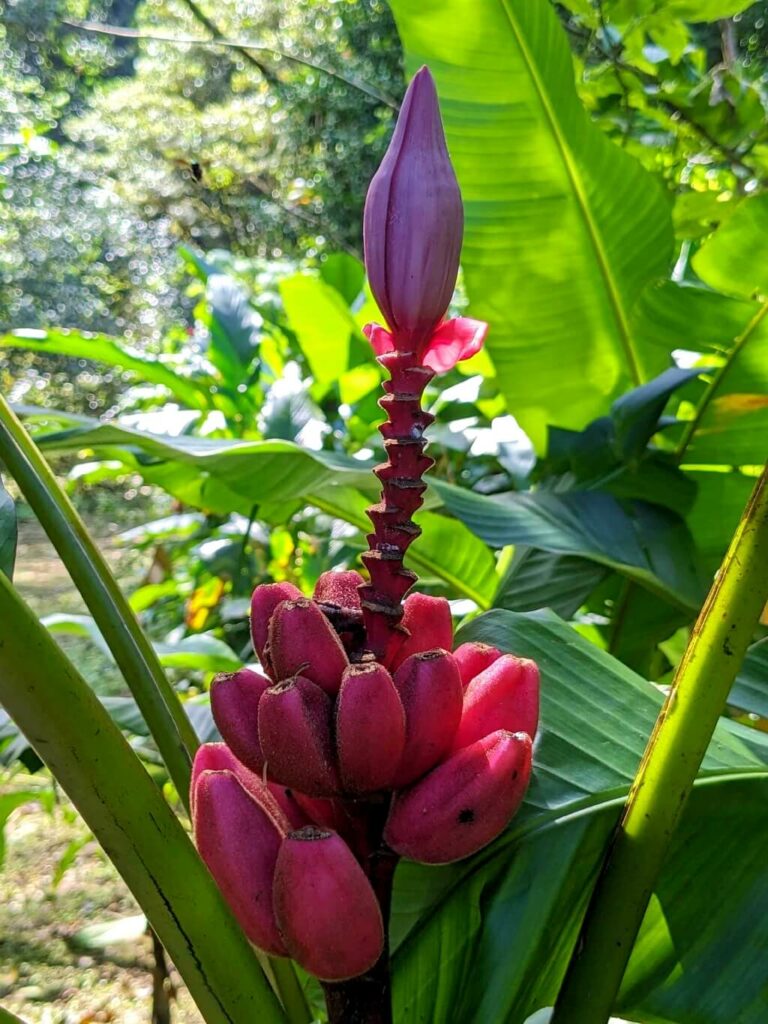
{"points": [[412, 228]]}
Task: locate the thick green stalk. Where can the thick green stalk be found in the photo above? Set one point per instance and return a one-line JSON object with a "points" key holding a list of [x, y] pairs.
{"points": [[672, 758], [88, 755], [156, 698], [288, 987], [6, 1017]]}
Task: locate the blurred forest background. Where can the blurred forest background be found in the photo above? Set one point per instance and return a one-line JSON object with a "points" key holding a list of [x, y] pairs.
{"points": [[181, 194]]}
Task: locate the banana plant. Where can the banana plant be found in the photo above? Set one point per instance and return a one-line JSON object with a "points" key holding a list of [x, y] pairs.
{"points": [[456, 870]]}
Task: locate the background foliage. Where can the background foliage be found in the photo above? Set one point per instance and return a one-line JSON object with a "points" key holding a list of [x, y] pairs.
{"points": [[187, 337]]}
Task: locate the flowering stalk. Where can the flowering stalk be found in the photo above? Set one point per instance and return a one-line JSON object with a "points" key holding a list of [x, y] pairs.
{"points": [[413, 226], [366, 737], [401, 496]]}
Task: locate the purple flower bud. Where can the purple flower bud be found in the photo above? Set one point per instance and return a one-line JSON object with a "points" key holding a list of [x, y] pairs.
{"points": [[414, 221]]}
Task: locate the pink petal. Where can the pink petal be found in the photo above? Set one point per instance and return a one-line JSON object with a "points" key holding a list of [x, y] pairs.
{"points": [[453, 341], [381, 340]]}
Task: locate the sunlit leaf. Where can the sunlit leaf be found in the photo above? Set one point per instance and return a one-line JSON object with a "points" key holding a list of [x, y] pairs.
{"points": [[563, 228]]}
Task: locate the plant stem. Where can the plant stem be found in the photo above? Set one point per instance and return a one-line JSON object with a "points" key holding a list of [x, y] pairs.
{"points": [[667, 771], [162, 990], [288, 987], [401, 496], [156, 698], [73, 734]]}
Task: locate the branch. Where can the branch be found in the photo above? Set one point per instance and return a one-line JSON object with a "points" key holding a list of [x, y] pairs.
{"points": [[242, 46], [217, 34], [669, 105]]}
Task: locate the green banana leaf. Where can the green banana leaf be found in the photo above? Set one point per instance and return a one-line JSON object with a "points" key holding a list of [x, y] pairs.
{"points": [[563, 228], [113, 352], [488, 939], [202, 652], [729, 422], [643, 541], [7, 531], [750, 691]]}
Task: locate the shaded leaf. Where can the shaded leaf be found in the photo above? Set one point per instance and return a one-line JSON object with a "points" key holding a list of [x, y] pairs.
{"points": [[111, 351], [750, 691], [642, 541], [488, 939]]}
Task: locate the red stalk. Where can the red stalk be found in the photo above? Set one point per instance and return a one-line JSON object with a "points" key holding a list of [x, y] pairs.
{"points": [[401, 496]]}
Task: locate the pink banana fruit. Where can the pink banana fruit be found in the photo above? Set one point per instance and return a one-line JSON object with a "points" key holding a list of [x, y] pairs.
{"points": [[430, 690], [428, 621], [325, 908], [263, 603], [474, 658], [303, 642], [504, 696], [462, 804], [239, 842], [235, 700], [370, 728], [295, 730]]}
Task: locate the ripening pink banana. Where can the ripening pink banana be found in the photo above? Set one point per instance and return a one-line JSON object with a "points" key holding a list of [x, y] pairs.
{"points": [[295, 730], [462, 804], [504, 696], [428, 620], [370, 728], [430, 690], [474, 658], [302, 641], [235, 700], [263, 603], [239, 843], [325, 907], [217, 757], [339, 588]]}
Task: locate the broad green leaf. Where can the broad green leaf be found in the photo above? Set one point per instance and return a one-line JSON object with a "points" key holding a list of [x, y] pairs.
{"points": [[636, 415], [345, 274], [8, 532], [563, 228], [234, 327], [720, 500], [750, 691], [645, 543], [202, 652], [216, 475], [623, 11], [729, 421], [540, 579], [488, 939], [735, 258], [650, 544], [103, 349], [9, 802], [232, 476], [323, 324]]}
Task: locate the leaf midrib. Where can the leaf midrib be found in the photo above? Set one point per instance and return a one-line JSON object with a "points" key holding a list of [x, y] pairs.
{"points": [[622, 320]]}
